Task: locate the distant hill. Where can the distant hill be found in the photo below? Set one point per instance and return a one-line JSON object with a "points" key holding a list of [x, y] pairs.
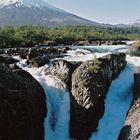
{"points": [[36, 12]]}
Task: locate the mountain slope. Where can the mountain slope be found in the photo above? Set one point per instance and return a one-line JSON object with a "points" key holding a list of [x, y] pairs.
{"points": [[136, 23], [36, 12]]}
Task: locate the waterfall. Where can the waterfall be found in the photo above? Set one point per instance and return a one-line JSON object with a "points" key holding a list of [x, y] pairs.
{"points": [[57, 120], [117, 103], [58, 103]]}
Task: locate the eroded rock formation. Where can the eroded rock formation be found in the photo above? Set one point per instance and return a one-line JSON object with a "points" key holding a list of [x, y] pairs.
{"points": [[90, 83], [22, 105], [134, 49], [63, 70]]}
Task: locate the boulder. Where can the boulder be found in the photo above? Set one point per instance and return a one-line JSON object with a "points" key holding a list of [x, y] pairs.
{"points": [[134, 49], [39, 61], [32, 53], [118, 42], [131, 129], [10, 60], [51, 43], [63, 70], [23, 53], [7, 60], [22, 105], [90, 83], [9, 51], [48, 50], [81, 43]]}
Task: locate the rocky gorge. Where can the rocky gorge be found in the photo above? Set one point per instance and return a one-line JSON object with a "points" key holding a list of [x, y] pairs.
{"points": [[37, 103], [131, 129], [90, 83]]}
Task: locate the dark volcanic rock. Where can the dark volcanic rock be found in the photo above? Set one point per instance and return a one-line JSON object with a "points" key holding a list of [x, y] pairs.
{"points": [[7, 60], [39, 61], [32, 53], [131, 129], [63, 70], [22, 106], [90, 83], [22, 53], [119, 42], [50, 52], [10, 60]]}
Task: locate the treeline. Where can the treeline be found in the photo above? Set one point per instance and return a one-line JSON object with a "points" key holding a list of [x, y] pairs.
{"points": [[28, 36]]}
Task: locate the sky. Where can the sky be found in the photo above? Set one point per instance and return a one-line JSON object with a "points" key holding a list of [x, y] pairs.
{"points": [[103, 11]]}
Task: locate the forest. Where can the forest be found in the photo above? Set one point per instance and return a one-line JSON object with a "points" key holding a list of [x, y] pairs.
{"points": [[29, 36]]}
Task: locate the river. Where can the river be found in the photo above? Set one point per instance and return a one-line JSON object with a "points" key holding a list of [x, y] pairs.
{"points": [[117, 102]]}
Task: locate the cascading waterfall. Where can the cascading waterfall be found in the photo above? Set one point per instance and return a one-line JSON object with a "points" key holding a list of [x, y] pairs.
{"points": [[58, 103], [117, 102], [57, 121]]}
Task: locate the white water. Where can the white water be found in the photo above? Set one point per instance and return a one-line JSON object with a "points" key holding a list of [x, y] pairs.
{"points": [[91, 51], [58, 103], [119, 96], [117, 102]]}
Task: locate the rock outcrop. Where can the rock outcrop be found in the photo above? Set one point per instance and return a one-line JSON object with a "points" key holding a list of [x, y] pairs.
{"points": [[63, 70], [90, 83], [51, 43], [39, 61], [134, 49], [22, 105], [36, 57], [7, 60], [33, 52], [131, 129]]}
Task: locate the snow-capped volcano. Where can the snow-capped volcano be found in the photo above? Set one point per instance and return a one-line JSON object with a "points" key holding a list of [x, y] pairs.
{"points": [[26, 3], [136, 23], [36, 12]]}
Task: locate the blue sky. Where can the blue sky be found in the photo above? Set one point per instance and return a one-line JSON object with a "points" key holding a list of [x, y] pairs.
{"points": [[103, 11]]}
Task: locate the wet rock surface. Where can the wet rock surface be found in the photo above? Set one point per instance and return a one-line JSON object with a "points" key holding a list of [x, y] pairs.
{"points": [[63, 70], [22, 105], [39, 61], [36, 57], [7, 60], [90, 83]]}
